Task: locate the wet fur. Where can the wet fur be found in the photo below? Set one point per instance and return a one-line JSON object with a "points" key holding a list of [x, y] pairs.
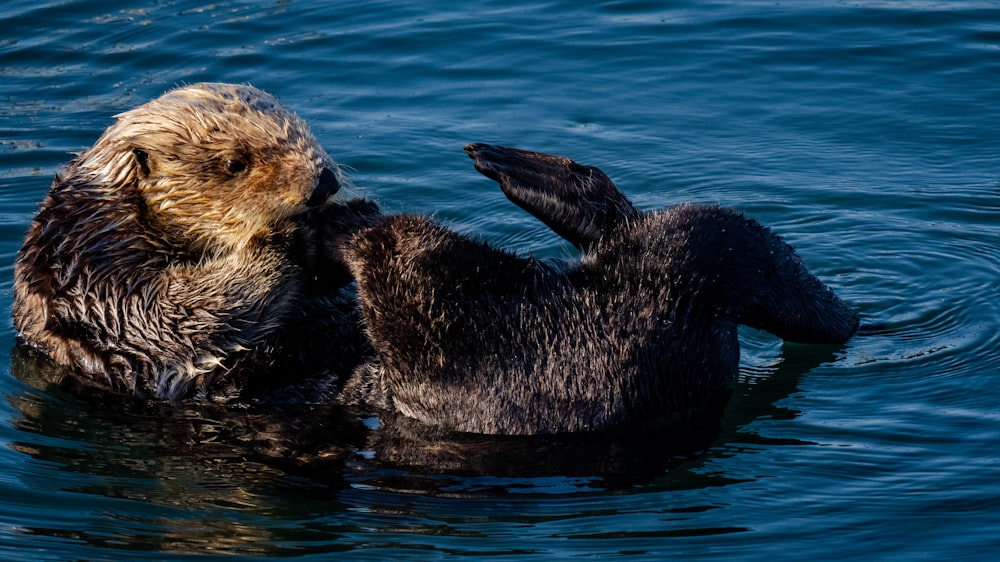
{"points": [[476, 339], [180, 245], [189, 251]]}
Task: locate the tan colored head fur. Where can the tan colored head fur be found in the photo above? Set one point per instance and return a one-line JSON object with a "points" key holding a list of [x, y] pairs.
{"points": [[215, 163], [165, 248]]}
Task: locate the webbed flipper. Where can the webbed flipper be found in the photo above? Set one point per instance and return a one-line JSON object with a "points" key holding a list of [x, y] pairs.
{"points": [[579, 203]]}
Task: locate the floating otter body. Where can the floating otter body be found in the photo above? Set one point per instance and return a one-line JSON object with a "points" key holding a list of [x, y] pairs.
{"points": [[475, 339], [183, 244], [194, 246]]}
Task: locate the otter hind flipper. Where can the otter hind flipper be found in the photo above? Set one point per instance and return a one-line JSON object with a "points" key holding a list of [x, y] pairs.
{"points": [[579, 203], [750, 273]]}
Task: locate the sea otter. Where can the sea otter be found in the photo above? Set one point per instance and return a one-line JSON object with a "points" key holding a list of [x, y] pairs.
{"points": [[475, 339], [184, 247]]}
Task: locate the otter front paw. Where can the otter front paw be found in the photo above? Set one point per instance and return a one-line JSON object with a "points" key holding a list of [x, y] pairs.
{"points": [[332, 226]]}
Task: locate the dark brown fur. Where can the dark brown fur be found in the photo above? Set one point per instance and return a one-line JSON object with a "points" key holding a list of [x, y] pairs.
{"points": [[475, 339], [181, 245]]}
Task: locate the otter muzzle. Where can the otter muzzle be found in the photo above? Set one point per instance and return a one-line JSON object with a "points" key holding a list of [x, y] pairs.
{"points": [[325, 188]]}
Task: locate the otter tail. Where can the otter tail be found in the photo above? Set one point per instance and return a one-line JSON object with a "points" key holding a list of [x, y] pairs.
{"points": [[739, 267], [577, 202], [747, 272]]}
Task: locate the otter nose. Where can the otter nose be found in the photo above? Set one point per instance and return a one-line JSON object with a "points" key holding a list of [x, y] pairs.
{"points": [[325, 187]]}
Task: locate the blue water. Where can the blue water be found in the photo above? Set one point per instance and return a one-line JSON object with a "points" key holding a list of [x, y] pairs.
{"points": [[865, 132]]}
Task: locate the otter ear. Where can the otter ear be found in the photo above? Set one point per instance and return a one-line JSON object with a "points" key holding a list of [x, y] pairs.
{"points": [[142, 160]]}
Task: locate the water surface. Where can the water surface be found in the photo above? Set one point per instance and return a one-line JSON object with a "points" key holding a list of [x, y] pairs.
{"points": [[863, 132]]}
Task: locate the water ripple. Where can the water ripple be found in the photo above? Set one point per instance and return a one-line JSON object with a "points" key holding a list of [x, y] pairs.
{"points": [[864, 133]]}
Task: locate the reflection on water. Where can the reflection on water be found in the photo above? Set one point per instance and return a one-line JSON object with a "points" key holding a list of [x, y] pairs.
{"points": [[179, 470], [863, 132], [186, 477]]}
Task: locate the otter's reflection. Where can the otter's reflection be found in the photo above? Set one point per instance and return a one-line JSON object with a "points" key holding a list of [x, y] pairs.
{"points": [[252, 444], [204, 454], [612, 458]]}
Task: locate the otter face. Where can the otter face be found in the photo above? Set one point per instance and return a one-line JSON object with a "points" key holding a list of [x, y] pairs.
{"points": [[216, 164]]}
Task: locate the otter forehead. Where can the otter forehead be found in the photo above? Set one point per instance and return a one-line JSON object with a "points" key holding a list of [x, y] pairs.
{"points": [[219, 116]]}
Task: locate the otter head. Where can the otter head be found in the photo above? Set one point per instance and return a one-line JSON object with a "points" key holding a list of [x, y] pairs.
{"points": [[215, 164]]}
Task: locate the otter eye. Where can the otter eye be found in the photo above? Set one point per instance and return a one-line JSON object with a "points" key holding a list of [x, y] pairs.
{"points": [[142, 157], [235, 165]]}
